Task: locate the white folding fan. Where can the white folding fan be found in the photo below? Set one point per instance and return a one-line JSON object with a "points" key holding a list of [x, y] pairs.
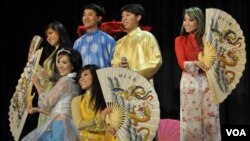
{"points": [[224, 53], [22, 97], [135, 104]]}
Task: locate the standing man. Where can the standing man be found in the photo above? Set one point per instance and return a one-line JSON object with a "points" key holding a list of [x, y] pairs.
{"points": [[95, 46], [138, 50]]}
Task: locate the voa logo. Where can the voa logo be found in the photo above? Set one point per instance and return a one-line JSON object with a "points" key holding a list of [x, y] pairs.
{"points": [[236, 132]]}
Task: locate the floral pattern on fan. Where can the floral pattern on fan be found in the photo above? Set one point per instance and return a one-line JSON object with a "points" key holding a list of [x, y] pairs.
{"points": [[138, 98]]}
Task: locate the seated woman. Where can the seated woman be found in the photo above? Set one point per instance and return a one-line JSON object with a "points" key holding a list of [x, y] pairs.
{"points": [[89, 109], [59, 126]]}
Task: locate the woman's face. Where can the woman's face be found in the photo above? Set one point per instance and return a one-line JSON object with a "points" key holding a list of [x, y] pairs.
{"points": [[130, 21], [190, 24], [64, 65], [52, 37], [90, 19], [86, 80]]}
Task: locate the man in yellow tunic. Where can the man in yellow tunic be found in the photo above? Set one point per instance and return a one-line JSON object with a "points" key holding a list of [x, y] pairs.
{"points": [[138, 50]]}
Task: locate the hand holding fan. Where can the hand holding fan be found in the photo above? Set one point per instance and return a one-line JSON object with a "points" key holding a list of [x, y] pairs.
{"points": [[22, 97], [135, 104]]}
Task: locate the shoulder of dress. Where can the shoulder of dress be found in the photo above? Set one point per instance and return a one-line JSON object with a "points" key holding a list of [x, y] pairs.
{"points": [[180, 38], [76, 101], [77, 98], [78, 40], [122, 39], [146, 34], [106, 35], [103, 33], [143, 32], [64, 79]]}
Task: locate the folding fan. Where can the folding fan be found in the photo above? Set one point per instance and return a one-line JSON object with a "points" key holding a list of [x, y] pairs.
{"points": [[35, 43], [169, 130], [224, 53], [22, 97], [135, 104]]}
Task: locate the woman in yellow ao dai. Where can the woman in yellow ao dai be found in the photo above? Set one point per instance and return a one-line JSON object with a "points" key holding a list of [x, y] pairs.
{"points": [[89, 109]]}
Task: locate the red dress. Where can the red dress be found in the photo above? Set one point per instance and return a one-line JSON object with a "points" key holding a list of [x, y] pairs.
{"points": [[186, 49], [199, 114]]}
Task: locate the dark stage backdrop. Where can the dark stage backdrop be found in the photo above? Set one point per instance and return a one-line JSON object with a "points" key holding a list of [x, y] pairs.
{"points": [[25, 18]]}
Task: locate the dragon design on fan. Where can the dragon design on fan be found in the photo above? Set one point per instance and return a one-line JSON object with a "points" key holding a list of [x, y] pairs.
{"points": [[137, 113], [230, 57], [228, 35], [227, 57], [142, 114], [133, 91], [224, 52]]}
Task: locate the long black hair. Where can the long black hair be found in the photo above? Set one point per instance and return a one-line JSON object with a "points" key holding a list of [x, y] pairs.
{"points": [[96, 99], [197, 14], [64, 39], [74, 57]]}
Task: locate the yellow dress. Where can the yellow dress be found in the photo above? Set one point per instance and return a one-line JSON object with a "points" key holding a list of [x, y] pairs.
{"points": [[142, 52], [45, 82], [91, 127]]}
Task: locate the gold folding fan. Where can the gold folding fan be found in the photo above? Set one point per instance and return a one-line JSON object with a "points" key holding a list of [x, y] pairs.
{"points": [[224, 53], [34, 45], [135, 104], [117, 118], [22, 97]]}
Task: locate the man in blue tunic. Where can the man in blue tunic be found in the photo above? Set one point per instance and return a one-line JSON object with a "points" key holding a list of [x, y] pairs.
{"points": [[95, 46]]}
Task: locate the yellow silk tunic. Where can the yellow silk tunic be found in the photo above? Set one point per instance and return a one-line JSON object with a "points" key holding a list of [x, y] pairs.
{"points": [[91, 127], [45, 82], [142, 52]]}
